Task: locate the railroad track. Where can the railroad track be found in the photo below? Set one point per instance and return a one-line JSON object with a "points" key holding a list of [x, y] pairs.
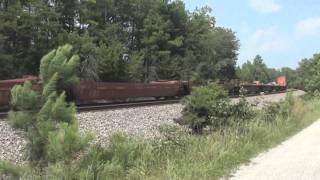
{"points": [[105, 106], [97, 107], [101, 106]]}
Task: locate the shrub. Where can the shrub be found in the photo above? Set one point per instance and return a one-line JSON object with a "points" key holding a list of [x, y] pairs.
{"points": [[242, 111], [205, 106], [270, 112], [209, 106], [289, 108], [64, 142], [120, 160]]}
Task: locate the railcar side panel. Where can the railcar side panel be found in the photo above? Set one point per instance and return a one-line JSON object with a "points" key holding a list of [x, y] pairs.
{"points": [[90, 91]]}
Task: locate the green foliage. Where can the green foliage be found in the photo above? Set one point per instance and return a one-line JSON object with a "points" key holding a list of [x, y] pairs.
{"points": [[132, 40], [51, 87], [28, 31], [23, 97], [60, 64], [111, 63], [282, 110], [255, 71], [51, 127], [85, 46], [7, 168], [210, 107], [124, 158], [258, 71], [308, 74], [64, 142], [180, 155], [204, 106], [21, 120], [242, 111]]}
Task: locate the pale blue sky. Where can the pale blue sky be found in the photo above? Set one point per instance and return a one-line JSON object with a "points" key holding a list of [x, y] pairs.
{"points": [[282, 31]]}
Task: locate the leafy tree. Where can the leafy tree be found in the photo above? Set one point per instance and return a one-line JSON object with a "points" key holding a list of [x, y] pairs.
{"points": [[25, 30], [255, 71], [308, 74], [123, 40]]}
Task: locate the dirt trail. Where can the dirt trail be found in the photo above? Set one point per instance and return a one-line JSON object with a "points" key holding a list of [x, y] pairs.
{"points": [[296, 159]]}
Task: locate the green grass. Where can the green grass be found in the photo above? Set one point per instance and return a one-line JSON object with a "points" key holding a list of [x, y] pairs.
{"points": [[219, 154]]}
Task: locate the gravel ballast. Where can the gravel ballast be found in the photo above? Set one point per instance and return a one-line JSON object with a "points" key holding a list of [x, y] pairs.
{"points": [[138, 121], [12, 144]]}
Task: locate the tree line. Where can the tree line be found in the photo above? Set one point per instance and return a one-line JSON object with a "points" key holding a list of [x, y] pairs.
{"points": [[117, 40], [305, 76], [257, 70]]}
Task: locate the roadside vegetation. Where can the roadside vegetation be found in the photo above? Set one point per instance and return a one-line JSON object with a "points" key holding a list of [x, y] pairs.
{"points": [[218, 137]]}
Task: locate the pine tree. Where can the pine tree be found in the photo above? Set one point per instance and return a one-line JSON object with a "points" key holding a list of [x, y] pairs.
{"points": [[50, 122]]}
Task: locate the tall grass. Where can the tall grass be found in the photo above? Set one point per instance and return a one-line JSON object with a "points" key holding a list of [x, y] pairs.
{"points": [[218, 154]]}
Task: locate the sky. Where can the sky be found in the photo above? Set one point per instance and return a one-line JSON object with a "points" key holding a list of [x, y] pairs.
{"points": [[283, 32]]}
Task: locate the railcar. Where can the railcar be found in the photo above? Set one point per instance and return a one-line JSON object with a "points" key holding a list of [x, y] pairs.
{"points": [[88, 92], [91, 92], [234, 87]]}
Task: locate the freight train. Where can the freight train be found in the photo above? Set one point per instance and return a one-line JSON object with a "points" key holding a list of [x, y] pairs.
{"points": [[90, 92]]}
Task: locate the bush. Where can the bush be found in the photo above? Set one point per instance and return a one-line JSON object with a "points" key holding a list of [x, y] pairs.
{"points": [[242, 111], [270, 112], [64, 142], [290, 108], [125, 158], [205, 106], [209, 106]]}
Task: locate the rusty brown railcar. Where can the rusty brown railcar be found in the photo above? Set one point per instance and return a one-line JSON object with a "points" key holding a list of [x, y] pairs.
{"points": [[91, 91]]}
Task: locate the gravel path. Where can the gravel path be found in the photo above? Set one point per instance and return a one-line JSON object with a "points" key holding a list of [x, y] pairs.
{"points": [[138, 121], [296, 159]]}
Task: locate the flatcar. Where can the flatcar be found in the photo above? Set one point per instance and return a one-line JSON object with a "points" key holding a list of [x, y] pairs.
{"points": [[233, 87]]}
